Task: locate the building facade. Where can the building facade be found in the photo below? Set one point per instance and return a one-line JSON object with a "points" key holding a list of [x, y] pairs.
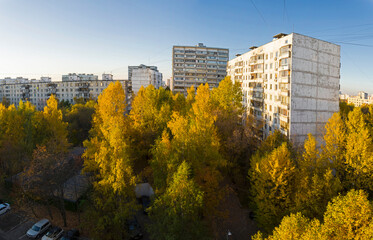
{"points": [[144, 76], [290, 84], [38, 91], [359, 100], [79, 77], [194, 65]]}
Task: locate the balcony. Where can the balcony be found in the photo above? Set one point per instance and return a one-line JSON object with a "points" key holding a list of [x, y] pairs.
{"points": [[284, 67], [284, 79], [285, 54]]}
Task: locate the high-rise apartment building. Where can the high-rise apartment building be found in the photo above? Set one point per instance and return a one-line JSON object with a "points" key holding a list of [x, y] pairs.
{"points": [[38, 91], [143, 76], [290, 83], [193, 65]]}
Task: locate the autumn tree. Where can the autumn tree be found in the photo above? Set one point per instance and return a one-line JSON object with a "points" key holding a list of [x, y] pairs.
{"points": [[151, 110], [347, 217], [295, 226], [108, 159], [359, 152], [43, 180], [334, 147], [235, 142], [316, 184], [272, 177]]}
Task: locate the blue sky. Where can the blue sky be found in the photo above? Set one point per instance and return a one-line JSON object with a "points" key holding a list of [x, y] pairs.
{"points": [[54, 37]]}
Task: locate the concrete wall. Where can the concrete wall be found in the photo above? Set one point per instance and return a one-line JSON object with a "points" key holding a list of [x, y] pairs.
{"points": [[315, 79]]}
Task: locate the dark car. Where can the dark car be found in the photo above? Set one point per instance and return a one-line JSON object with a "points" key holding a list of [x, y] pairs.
{"points": [[145, 203], [72, 234], [134, 229]]}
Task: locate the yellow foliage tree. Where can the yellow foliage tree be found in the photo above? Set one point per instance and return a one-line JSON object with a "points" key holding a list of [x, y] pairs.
{"points": [[272, 188], [347, 217], [107, 156], [316, 183], [359, 152]]}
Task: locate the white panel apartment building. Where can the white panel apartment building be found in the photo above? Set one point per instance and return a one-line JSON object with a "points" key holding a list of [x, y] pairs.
{"points": [[361, 99], [39, 91], [291, 83], [194, 65], [144, 76]]}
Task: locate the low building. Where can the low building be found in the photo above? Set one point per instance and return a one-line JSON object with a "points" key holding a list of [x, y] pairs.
{"points": [[361, 99], [72, 86]]}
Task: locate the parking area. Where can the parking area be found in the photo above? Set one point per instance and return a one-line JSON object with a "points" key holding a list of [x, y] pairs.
{"points": [[13, 226]]}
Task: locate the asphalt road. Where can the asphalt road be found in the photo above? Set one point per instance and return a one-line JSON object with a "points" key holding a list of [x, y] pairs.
{"points": [[13, 226]]}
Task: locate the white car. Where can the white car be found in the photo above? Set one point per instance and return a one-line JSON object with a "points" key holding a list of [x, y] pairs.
{"points": [[38, 228], [4, 207], [53, 234]]}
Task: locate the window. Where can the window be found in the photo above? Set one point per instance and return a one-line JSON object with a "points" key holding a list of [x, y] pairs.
{"points": [[271, 66], [271, 55], [270, 86]]}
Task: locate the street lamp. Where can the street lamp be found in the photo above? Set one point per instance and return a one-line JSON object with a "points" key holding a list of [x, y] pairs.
{"points": [[229, 234]]}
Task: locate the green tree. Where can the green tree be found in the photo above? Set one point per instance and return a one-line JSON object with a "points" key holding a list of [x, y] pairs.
{"points": [[176, 213], [79, 120]]}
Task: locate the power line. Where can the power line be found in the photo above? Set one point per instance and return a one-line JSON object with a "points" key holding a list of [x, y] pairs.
{"points": [[252, 1], [355, 44], [339, 28]]}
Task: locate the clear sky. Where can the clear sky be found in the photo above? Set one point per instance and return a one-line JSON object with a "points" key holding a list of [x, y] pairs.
{"points": [[55, 37]]}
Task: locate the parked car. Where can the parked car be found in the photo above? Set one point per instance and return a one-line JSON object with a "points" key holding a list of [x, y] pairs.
{"points": [[134, 229], [145, 200], [53, 234], [4, 207], [38, 228], [72, 234]]}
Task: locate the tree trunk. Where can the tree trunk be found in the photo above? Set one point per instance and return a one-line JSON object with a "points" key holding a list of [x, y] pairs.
{"points": [[33, 210], [62, 207], [49, 210]]}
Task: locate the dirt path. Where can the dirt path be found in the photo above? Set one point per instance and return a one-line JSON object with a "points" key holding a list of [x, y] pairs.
{"points": [[237, 222]]}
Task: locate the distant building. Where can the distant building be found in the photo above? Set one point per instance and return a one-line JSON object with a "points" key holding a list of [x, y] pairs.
{"points": [[79, 77], [194, 65], [343, 97], [106, 76], [361, 99], [73, 86], [168, 82], [290, 84], [144, 76]]}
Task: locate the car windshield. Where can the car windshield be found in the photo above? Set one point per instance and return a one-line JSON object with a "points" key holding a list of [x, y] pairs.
{"points": [[50, 234], [35, 228]]}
